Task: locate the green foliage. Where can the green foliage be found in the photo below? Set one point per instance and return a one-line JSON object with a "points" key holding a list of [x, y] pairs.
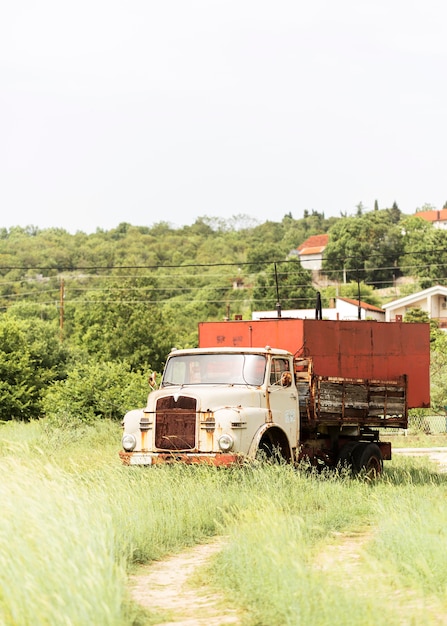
{"points": [[125, 324], [425, 252], [438, 369], [288, 280], [131, 293], [105, 389], [30, 358], [416, 315], [351, 290], [367, 247]]}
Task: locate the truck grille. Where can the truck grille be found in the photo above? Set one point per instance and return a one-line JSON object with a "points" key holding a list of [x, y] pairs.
{"points": [[175, 425]]}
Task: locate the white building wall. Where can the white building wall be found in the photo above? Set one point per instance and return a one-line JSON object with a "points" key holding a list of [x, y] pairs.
{"points": [[434, 305], [342, 311], [311, 261]]}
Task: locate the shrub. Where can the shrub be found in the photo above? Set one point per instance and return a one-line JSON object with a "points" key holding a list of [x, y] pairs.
{"points": [[92, 390], [30, 357]]}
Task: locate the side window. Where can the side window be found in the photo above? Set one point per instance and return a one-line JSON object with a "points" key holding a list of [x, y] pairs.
{"points": [[280, 374]]}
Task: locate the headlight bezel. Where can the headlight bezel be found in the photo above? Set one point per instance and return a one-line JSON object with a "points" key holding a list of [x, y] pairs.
{"points": [[225, 442], [129, 442]]}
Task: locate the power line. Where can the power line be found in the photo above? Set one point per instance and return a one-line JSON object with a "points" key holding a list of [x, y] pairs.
{"points": [[90, 268]]}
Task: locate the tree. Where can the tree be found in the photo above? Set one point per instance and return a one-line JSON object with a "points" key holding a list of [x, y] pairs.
{"points": [[288, 281], [395, 213], [364, 248], [30, 359], [351, 290], [127, 324], [424, 251]]}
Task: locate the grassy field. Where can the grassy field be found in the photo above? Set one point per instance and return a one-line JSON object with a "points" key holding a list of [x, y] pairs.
{"points": [[302, 548]]}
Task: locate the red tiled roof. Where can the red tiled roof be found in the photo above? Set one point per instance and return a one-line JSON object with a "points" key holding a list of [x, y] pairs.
{"points": [[314, 244], [363, 305], [433, 216], [314, 250]]}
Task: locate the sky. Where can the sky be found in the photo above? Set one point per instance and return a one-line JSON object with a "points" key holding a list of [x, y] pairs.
{"points": [[145, 111]]}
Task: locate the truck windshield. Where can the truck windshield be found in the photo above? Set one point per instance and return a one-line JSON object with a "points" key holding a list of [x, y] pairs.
{"points": [[215, 369]]}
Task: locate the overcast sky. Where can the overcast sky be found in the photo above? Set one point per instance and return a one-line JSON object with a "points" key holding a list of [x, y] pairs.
{"points": [[144, 111]]}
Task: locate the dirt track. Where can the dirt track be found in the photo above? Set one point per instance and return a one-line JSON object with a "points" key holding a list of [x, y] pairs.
{"points": [[437, 455], [164, 586]]}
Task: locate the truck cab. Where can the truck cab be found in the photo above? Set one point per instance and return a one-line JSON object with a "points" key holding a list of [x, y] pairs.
{"points": [[217, 406]]}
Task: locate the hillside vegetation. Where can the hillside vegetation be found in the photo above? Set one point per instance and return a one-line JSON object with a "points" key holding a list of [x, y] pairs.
{"points": [[85, 318]]}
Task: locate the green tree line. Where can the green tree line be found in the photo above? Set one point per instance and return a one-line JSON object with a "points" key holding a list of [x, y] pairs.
{"points": [[75, 307]]}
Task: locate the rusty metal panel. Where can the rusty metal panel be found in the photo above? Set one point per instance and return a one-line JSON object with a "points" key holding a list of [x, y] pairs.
{"points": [[345, 349], [175, 423]]}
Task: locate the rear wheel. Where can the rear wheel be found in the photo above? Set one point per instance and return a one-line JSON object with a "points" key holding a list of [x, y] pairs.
{"points": [[345, 460], [367, 459]]}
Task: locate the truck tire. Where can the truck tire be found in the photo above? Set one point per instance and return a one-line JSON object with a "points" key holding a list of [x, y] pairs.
{"points": [[274, 448], [367, 459], [344, 460]]}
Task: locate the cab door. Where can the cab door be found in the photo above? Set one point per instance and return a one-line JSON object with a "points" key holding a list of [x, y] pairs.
{"points": [[283, 397]]}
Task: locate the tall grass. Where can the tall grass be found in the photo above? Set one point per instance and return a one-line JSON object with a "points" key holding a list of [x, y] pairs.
{"points": [[58, 563], [271, 564], [74, 522], [267, 568], [412, 529]]}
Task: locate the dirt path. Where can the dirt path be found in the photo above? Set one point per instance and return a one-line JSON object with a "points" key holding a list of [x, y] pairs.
{"points": [[438, 455], [348, 565], [164, 587]]}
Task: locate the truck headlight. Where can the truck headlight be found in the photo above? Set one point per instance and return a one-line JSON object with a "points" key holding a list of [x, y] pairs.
{"points": [[129, 442], [225, 442]]}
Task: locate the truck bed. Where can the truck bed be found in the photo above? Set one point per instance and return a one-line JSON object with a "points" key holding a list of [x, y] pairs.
{"points": [[330, 401]]}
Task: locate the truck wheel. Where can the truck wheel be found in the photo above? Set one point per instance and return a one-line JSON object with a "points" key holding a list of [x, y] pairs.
{"points": [[367, 459], [273, 450], [265, 451], [345, 456]]}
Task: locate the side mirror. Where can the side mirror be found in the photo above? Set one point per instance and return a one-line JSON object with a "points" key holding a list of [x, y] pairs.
{"points": [[153, 381], [286, 379]]}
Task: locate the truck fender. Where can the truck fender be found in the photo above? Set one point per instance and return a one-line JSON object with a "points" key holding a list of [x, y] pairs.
{"points": [[131, 421], [275, 440]]}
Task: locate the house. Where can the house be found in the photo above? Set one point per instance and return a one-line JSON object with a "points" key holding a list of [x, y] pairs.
{"points": [[432, 300], [346, 307], [343, 309], [437, 218], [311, 252]]}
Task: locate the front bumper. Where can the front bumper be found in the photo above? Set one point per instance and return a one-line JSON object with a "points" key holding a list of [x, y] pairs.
{"points": [[161, 458]]}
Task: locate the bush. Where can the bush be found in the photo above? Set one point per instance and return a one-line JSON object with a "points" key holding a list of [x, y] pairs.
{"points": [[92, 390], [30, 357]]}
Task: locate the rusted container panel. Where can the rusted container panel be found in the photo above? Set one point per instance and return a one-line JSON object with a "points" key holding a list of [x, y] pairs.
{"points": [[344, 349]]}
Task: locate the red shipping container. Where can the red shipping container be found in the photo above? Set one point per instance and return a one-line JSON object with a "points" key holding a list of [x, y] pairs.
{"points": [[347, 349]]}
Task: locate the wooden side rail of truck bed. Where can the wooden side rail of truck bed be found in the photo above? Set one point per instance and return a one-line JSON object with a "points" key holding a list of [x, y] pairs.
{"points": [[326, 400]]}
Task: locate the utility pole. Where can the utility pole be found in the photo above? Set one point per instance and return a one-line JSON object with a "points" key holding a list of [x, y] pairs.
{"points": [[61, 309], [278, 303], [358, 296]]}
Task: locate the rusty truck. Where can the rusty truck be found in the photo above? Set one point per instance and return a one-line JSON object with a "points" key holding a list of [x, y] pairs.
{"points": [[293, 389]]}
